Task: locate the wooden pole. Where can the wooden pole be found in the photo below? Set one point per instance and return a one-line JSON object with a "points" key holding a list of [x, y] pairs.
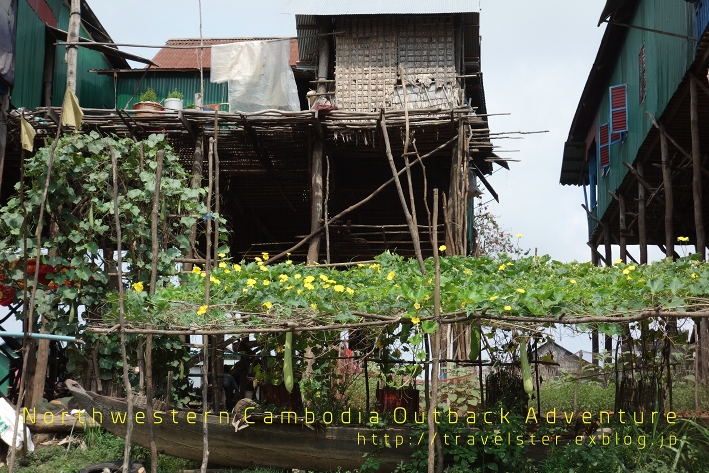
{"points": [[622, 240], [316, 198], [155, 244], [435, 342], [327, 197], [72, 52], [195, 183], [217, 196], [642, 226], [697, 172], [316, 166], [667, 181], [607, 242], [121, 314], [149, 401], [409, 219]]}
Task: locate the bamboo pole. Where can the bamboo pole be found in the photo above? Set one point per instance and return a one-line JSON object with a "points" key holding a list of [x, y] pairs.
{"points": [[207, 286], [121, 312], [697, 172], [435, 345], [217, 194], [72, 52], [327, 196], [409, 219], [149, 401]]}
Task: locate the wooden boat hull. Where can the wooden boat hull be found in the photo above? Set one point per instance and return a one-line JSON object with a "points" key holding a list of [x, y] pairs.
{"points": [[279, 445]]}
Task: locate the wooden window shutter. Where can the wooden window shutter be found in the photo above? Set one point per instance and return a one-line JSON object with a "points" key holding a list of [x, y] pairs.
{"points": [[619, 112], [604, 145]]}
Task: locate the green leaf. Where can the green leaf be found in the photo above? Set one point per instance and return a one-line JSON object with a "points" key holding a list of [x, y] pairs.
{"points": [[429, 326]]}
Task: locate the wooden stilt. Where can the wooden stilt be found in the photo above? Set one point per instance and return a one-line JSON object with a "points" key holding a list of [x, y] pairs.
{"points": [[697, 172], [642, 228], [667, 181], [607, 242], [594, 346], [621, 213], [149, 400], [316, 197]]}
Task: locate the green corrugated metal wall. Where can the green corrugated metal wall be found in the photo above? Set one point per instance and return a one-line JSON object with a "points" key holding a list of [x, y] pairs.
{"points": [[666, 60], [93, 90], [29, 62], [164, 82]]}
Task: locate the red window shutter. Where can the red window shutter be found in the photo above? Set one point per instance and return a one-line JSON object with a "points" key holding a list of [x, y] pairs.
{"points": [[604, 145], [619, 110]]}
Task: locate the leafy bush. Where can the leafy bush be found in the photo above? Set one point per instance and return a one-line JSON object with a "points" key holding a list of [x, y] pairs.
{"points": [[560, 395]]}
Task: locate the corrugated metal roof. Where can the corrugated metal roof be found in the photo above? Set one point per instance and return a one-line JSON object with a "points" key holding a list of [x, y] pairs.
{"points": [[189, 58], [377, 7]]}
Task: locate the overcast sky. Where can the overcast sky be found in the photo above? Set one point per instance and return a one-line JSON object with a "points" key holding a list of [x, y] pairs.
{"points": [[536, 57]]}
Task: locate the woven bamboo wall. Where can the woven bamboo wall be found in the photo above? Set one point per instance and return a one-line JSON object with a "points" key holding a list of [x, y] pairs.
{"points": [[370, 49]]}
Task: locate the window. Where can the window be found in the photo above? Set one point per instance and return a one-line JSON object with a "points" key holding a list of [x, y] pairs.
{"points": [[643, 83]]}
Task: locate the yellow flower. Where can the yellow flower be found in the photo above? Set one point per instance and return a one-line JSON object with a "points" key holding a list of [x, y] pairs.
{"points": [[308, 286], [267, 305], [288, 288], [325, 286], [196, 269], [463, 304], [323, 278], [626, 271], [682, 238], [508, 307], [237, 268], [391, 275], [221, 255], [279, 349], [283, 277], [417, 306], [349, 291], [263, 268], [426, 297], [258, 260], [331, 281], [521, 291], [694, 276], [618, 261], [573, 281], [502, 267], [493, 298], [222, 264], [251, 282], [265, 255], [289, 261], [203, 274], [628, 278], [226, 271], [631, 267], [313, 306], [138, 286], [214, 280], [510, 263], [308, 279], [415, 320], [641, 280], [360, 265], [442, 248], [202, 310], [266, 282], [519, 235], [467, 271], [244, 290], [299, 291], [339, 288], [297, 276]]}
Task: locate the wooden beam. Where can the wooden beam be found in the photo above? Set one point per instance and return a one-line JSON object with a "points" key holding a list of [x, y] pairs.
{"points": [[697, 171], [642, 226], [186, 123], [591, 216]]}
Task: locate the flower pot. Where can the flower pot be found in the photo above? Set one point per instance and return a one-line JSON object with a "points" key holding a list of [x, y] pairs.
{"points": [[173, 104], [149, 106]]}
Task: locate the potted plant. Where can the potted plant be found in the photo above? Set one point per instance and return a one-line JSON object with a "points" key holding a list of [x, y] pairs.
{"points": [[174, 100], [148, 101]]}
